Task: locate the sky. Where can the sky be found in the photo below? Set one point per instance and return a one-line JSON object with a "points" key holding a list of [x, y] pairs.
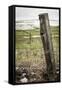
{"points": [[33, 13]]}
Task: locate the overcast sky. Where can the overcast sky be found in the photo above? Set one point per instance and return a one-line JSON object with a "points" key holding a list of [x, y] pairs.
{"points": [[32, 13]]}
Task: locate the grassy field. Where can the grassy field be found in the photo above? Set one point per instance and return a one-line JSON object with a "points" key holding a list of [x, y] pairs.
{"points": [[30, 40], [29, 48], [24, 38]]}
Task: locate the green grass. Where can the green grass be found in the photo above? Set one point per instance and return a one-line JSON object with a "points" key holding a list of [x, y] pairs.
{"points": [[30, 42], [30, 48]]}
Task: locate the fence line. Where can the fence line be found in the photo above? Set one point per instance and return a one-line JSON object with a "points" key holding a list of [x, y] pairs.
{"points": [[34, 20]]}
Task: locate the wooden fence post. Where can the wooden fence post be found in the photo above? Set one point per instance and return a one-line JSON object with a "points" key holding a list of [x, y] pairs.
{"points": [[47, 45]]}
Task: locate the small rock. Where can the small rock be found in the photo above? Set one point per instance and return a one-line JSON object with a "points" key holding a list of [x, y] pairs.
{"points": [[24, 80], [23, 74]]}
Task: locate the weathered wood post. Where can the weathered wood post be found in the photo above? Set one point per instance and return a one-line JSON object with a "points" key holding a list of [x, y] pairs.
{"points": [[47, 45]]}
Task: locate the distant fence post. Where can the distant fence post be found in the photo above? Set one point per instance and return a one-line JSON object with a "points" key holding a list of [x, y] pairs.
{"points": [[47, 45]]}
